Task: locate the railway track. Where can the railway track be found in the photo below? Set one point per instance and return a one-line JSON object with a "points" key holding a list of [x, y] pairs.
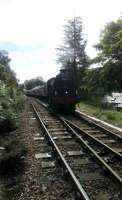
{"points": [[43, 177], [91, 176], [106, 144]]}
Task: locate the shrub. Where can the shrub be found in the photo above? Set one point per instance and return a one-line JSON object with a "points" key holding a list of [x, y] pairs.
{"points": [[19, 102], [11, 162], [10, 105], [7, 120], [110, 116]]}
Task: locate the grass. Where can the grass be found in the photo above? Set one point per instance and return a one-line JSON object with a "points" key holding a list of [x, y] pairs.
{"points": [[108, 115]]}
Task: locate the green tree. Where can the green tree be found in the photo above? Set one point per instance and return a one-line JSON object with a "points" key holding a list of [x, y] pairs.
{"points": [[94, 86], [110, 55], [4, 59], [74, 43], [29, 84], [110, 45], [11, 98], [6, 74], [72, 53]]}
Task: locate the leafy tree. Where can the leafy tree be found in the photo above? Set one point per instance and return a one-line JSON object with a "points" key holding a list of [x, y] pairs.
{"points": [[110, 55], [6, 74], [29, 84], [11, 98], [72, 54], [94, 87], [4, 59], [110, 44], [74, 44]]}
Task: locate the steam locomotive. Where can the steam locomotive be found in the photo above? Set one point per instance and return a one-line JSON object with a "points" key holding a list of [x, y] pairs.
{"points": [[60, 92]]}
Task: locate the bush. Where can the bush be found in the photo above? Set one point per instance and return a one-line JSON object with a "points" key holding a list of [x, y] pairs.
{"points": [[10, 105], [110, 116], [11, 158], [7, 121], [19, 102]]}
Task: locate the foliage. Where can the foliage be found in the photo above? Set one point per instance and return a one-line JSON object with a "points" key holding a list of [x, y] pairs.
{"points": [[74, 44], [94, 86], [6, 74], [110, 44], [11, 97], [11, 157], [4, 59], [106, 78], [72, 53], [29, 84], [110, 55]]}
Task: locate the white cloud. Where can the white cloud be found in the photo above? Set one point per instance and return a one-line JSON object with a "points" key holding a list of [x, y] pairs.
{"points": [[37, 70], [33, 63], [26, 22]]}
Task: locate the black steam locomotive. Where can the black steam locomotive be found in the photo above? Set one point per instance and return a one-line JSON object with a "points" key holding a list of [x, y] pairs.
{"points": [[60, 91]]}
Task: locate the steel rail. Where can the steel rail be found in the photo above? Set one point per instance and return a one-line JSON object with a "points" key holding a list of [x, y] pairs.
{"points": [[86, 118], [90, 121], [116, 177], [79, 187], [92, 137], [95, 139]]}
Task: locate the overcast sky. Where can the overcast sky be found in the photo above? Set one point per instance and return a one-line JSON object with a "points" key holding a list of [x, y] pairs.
{"points": [[30, 30]]}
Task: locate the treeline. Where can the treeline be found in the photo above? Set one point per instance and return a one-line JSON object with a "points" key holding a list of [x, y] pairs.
{"points": [[106, 77], [11, 97], [29, 84]]}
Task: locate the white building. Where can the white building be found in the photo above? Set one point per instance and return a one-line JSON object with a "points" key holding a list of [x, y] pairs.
{"points": [[115, 99]]}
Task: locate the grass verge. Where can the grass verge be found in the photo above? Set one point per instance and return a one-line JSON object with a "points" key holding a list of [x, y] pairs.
{"points": [[111, 116]]}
